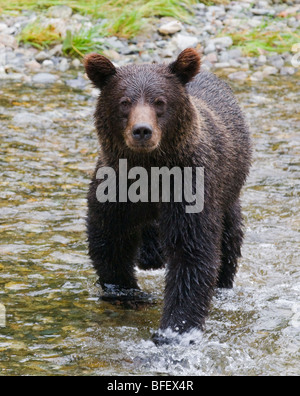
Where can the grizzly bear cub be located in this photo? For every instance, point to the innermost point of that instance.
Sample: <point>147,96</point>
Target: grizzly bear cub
<point>172,116</point>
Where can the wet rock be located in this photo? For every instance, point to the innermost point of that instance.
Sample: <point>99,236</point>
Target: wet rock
<point>238,76</point>
<point>262,11</point>
<point>33,65</point>
<point>224,57</point>
<point>3,27</point>
<point>269,71</point>
<point>212,57</point>
<point>287,71</point>
<point>11,76</point>
<point>60,11</point>
<point>209,48</point>
<point>41,56</point>
<point>234,53</point>
<point>112,54</point>
<point>257,76</point>
<point>76,63</point>
<point>48,64</point>
<point>77,83</point>
<point>8,41</point>
<point>63,65</point>
<point>44,78</point>
<point>171,27</point>
<point>183,41</point>
<point>115,43</point>
<point>222,65</point>
<point>221,42</point>
<point>161,43</point>
<point>56,51</point>
<point>262,59</point>
<point>276,61</point>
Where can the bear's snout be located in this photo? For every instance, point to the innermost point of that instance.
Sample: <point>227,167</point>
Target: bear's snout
<point>142,132</point>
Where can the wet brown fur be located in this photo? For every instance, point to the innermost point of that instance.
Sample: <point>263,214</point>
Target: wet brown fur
<point>201,126</point>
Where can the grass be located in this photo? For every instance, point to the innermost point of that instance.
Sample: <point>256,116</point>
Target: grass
<point>257,41</point>
<point>39,36</point>
<point>85,41</point>
<point>127,18</point>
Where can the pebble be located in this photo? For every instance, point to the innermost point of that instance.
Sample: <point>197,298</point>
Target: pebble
<point>269,71</point>
<point>210,48</point>
<point>44,78</point>
<point>239,76</point>
<point>222,65</point>
<point>170,27</point>
<point>212,57</point>
<point>56,51</point>
<point>112,54</point>
<point>48,64</point>
<point>33,65</point>
<point>8,41</point>
<point>3,27</point>
<point>78,83</point>
<point>257,76</point>
<point>287,71</point>
<point>234,53</point>
<point>262,11</point>
<point>221,42</point>
<point>41,56</point>
<point>76,63</point>
<point>262,59</point>
<point>183,41</point>
<point>64,65</point>
<point>276,61</point>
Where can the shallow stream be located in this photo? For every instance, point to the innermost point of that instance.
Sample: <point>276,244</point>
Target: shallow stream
<point>55,322</point>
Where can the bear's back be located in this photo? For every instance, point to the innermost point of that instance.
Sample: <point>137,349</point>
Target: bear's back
<point>219,97</point>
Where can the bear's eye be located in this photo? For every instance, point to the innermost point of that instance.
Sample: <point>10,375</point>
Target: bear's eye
<point>125,104</point>
<point>160,106</point>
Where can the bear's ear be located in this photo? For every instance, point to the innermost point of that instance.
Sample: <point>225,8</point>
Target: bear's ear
<point>187,65</point>
<point>98,68</point>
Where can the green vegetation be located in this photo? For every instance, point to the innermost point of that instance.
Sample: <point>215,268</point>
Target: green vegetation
<point>85,41</point>
<point>261,39</point>
<point>39,36</point>
<point>126,18</point>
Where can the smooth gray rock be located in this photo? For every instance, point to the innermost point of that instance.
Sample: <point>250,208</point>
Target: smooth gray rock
<point>44,78</point>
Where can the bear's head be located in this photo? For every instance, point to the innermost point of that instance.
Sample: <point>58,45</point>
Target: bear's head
<point>141,105</point>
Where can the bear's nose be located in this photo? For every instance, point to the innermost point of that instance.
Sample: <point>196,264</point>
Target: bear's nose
<point>142,132</point>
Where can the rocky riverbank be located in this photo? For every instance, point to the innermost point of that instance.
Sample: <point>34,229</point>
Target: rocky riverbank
<point>212,29</point>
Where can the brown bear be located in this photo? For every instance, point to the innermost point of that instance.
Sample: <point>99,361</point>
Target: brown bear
<point>168,115</point>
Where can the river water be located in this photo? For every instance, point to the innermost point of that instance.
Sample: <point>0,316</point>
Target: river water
<point>55,322</point>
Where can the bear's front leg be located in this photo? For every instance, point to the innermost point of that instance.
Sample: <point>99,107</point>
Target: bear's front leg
<point>193,244</point>
<point>113,244</point>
